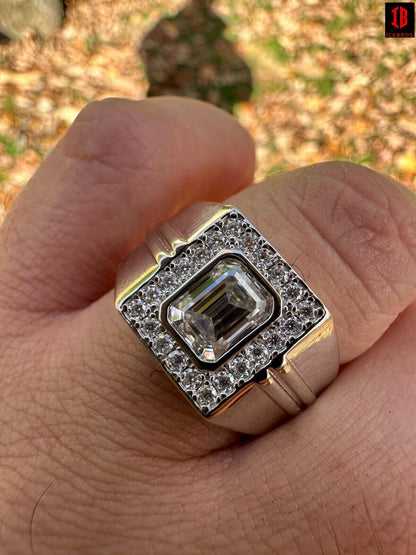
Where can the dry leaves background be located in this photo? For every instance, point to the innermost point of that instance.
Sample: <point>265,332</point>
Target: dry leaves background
<point>328,85</point>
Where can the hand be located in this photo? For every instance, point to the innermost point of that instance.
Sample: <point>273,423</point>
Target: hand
<point>100,453</point>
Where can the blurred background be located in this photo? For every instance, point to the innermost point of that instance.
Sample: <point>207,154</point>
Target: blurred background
<point>310,80</point>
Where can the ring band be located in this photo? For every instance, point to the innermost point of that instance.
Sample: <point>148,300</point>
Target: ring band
<point>234,326</point>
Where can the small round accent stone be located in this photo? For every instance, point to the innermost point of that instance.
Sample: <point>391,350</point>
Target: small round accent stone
<point>249,240</point>
<point>183,267</point>
<point>240,368</point>
<point>149,327</point>
<point>307,311</point>
<point>292,327</point>
<point>259,354</point>
<point>207,396</point>
<point>263,257</point>
<point>293,291</point>
<point>274,341</point>
<point>163,344</point>
<point>199,253</point>
<point>176,361</point>
<point>152,293</point>
<point>215,241</point>
<point>191,379</point>
<point>224,382</point>
<point>136,309</point>
<point>168,280</point>
<point>279,274</point>
<point>233,226</point>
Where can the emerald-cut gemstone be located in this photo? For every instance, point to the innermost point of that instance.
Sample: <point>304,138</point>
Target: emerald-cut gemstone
<point>222,308</point>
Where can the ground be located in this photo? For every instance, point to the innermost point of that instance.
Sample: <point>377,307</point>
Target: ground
<point>327,84</point>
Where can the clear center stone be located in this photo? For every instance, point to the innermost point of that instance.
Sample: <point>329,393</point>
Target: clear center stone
<point>221,309</point>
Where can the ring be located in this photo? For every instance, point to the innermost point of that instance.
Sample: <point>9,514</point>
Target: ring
<point>234,326</point>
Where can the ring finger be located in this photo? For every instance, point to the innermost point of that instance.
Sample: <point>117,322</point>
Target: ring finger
<point>350,234</point>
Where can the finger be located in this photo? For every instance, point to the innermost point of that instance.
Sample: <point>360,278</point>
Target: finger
<point>359,258</point>
<point>341,476</point>
<point>351,233</point>
<point>123,167</point>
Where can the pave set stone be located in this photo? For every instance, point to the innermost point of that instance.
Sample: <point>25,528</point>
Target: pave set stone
<point>214,313</point>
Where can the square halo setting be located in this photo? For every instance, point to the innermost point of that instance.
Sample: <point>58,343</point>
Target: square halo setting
<point>221,310</point>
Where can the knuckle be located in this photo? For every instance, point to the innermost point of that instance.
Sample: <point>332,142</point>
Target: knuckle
<point>369,223</point>
<point>353,229</point>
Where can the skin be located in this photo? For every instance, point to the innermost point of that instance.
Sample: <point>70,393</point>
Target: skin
<point>100,453</point>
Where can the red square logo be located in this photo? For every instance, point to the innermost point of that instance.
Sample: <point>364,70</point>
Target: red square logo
<point>400,20</point>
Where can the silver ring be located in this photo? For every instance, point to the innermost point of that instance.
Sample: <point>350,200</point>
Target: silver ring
<point>233,325</point>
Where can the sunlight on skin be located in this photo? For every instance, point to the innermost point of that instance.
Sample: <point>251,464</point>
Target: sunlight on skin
<point>100,453</point>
